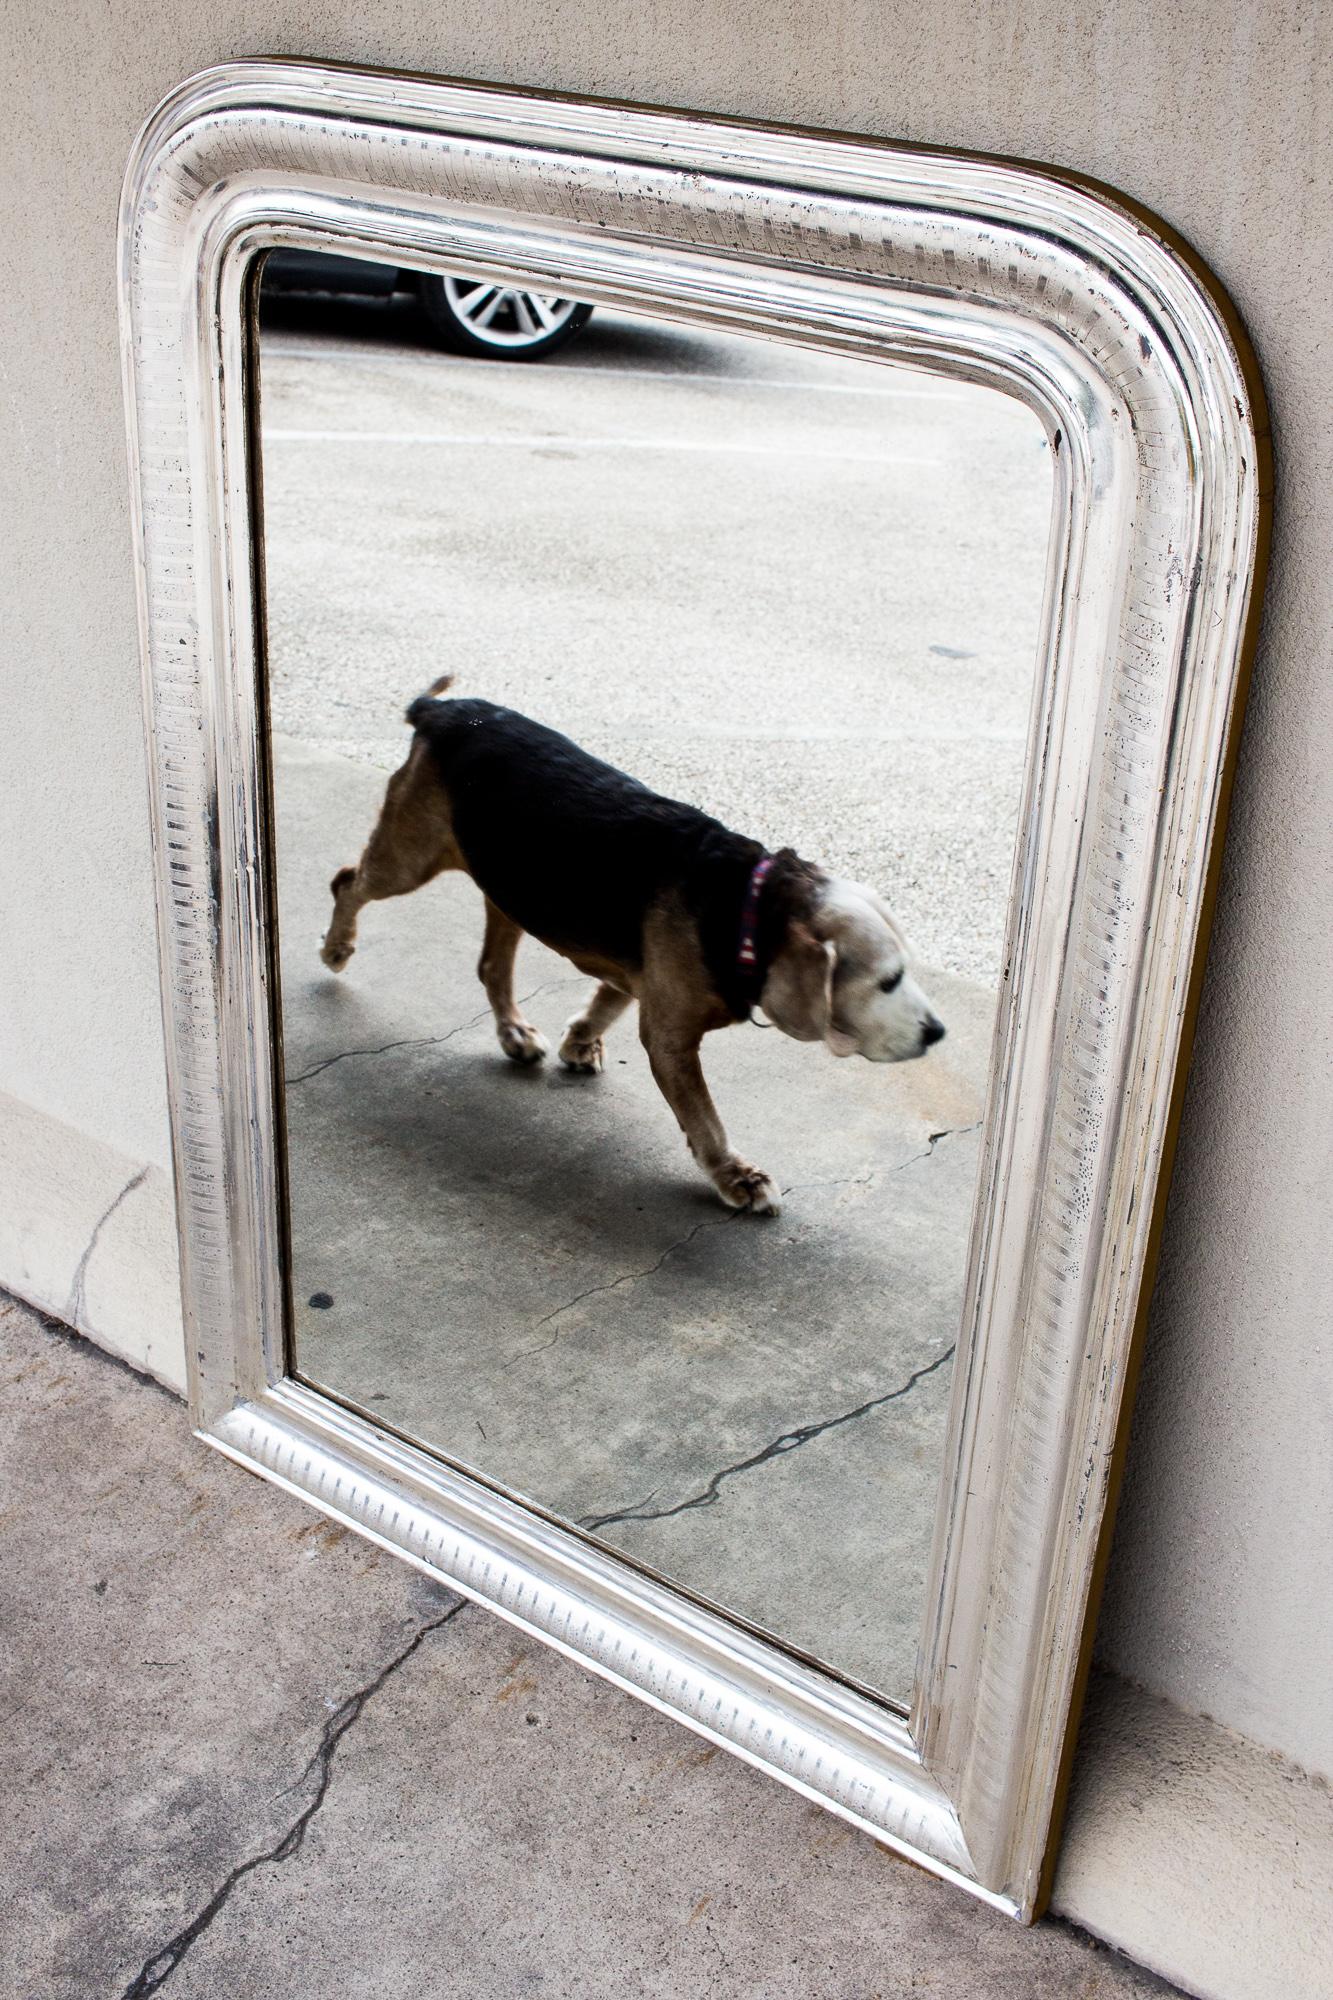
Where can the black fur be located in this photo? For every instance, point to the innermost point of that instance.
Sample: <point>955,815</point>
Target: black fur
<point>578,852</point>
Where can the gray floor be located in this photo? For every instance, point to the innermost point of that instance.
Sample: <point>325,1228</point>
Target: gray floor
<point>244,1753</point>
<point>804,593</point>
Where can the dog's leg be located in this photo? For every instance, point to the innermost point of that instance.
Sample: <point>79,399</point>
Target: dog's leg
<point>412,843</point>
<point>582,1047</point>
<point>495,969</point>
<point>678,1073</point>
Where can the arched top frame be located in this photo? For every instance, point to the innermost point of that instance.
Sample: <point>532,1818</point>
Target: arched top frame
<point>1056,292</point>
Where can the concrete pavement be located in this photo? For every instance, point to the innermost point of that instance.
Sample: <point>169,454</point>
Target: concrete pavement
<point>246,1754</point>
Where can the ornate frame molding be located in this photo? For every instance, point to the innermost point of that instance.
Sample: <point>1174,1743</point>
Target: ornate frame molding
<point>1058,293</point>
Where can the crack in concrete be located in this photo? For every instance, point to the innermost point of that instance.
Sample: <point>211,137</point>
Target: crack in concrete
<point>868,1177</point>
<point>613,1284</point>
<point>416,1041</point>
<point>156,1970</point>
<point>709,1495</point>
<point>711,1222</point>
<point>839,1180</point>
<point>410,1042</point>
<point>950,1132</point>
<point>75,1305</point>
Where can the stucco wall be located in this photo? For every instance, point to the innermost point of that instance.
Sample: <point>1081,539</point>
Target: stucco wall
<point>1216,115</point>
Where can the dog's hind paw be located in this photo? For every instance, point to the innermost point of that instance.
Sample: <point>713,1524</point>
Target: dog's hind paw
<point>335,956</point>
<point>743,1186</point>
<point>585,1054</point>
<point>521,1043</point>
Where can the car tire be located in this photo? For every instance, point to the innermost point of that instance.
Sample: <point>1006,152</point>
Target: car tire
<point>469,316</point>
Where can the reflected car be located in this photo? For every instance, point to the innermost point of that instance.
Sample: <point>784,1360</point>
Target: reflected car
<point>466,315</point>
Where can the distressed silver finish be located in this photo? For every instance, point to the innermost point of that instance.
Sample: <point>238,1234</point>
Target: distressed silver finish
<point>972,268</point>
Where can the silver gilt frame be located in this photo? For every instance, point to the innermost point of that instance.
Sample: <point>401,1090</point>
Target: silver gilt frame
<point>1061,294</point>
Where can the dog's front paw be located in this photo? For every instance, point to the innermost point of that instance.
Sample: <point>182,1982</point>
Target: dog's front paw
<point>335,956</point>
<point>743,1186</point>
<point>584,1053</point>
<point>521,1043</point>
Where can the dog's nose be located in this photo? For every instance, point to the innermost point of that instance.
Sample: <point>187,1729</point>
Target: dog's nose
<point>932,1030</point>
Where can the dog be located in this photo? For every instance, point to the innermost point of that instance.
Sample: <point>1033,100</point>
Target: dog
<point>652,898</point>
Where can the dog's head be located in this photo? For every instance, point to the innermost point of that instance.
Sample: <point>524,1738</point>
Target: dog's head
<point>842,978</point>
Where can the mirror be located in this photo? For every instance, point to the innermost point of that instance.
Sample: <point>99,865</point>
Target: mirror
<point>489,1313</point>
<point>801,595</point>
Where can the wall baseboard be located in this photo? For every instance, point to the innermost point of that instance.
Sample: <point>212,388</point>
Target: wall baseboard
<point>89,1236</point>
<point>1196,1852</point>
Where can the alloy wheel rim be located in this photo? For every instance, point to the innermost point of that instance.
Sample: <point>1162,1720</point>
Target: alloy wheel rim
<point>502,317</point>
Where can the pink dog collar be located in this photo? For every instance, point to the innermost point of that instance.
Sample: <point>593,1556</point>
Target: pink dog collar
<point>748,952</point>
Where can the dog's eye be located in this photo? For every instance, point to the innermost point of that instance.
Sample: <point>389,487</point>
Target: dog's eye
<point>887,985</point>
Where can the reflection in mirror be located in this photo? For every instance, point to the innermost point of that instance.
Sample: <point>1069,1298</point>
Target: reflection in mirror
<point>796,592</point>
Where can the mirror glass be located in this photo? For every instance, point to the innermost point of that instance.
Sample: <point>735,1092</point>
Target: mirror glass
<point>794,598</point>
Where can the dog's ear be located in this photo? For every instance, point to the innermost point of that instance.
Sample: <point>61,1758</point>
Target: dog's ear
<point>798,993</point>
<point>881,909</point>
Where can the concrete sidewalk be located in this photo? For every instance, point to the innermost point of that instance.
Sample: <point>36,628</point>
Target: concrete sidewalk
<point>247,1754</point>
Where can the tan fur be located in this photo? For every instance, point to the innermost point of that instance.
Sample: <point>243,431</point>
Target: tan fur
<point>677,1008</point>
<point>582,1048</point>
<point>495,969</point>
<point>412,843</point>
<point>798,994</point>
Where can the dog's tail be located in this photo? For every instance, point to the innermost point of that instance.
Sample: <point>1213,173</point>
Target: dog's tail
<point>417,711</point>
